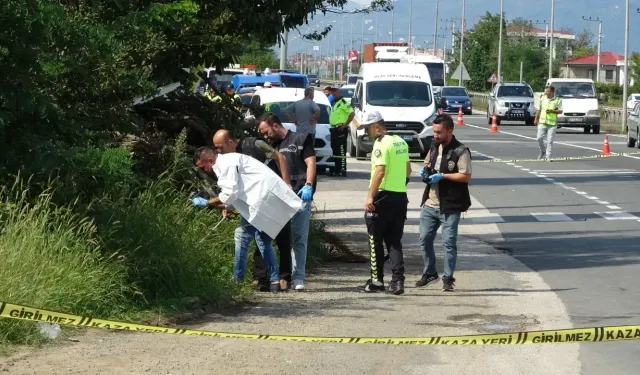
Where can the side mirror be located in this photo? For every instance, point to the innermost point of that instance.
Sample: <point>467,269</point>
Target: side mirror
<point>600,101</point>
<point>442,103</point>
<point>355,103</point>
<point>470,95</point>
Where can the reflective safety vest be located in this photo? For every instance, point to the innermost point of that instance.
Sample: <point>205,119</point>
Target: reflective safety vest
<point>550,119</point>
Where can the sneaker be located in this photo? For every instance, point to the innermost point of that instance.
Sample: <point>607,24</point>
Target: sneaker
<point>427,279</point>
<point>448,283</point>
<point>299,286</point>
<point>373,287</point>
<point>274,287</point>
<point>396,287</point>
<point>284,285</point>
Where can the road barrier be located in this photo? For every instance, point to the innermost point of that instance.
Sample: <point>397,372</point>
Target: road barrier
<point>570,335</point>
<point>496,160</point>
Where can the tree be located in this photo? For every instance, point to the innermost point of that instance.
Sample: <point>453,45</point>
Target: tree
<point>259,55</point>
<point>583,45</point>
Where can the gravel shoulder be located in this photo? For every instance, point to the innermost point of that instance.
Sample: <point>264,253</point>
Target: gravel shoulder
<point>495,293</point>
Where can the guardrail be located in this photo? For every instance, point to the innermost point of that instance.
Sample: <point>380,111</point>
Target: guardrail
<point>608,114</point>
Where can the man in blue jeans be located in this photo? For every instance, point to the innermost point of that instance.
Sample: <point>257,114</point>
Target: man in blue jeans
<point>447,173</point>
<point>298,150</point>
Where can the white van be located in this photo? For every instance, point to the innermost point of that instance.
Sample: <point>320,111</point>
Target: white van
<point>579,103</point>
<point>402,93</point>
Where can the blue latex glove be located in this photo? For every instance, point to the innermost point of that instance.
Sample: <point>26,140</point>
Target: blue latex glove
<point>423,172</point>
<point>199,202</point>
<point>436,178</point>
<point>306,193</point>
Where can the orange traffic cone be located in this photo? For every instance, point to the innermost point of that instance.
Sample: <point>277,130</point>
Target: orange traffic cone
<point>494,124</point>
<point>605,147</point>
<point>440,111</point>
<point>460,121</point>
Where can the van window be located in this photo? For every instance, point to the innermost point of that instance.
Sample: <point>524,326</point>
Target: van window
<point>277,108</point>
<point>399,94</point>
<point>292,81</point>
<point>454,91</point>
<point>351,80</point>
<point>575,89</point>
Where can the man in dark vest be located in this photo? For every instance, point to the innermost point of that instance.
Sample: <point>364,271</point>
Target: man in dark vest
<point>260,150</point>
<point>298,149</point>
<point>447,173</point>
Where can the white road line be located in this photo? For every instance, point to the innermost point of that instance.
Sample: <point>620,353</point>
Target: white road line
<point>592,198</point>
<point>551,216</point>
<point>489,218</point>
<point>525,169</point>
<point>587,170</point>
<point>547,178</point>
<point>587,173</point>
<point>617,215</point>
<point>603,202</point>
<point>613,207</point>
<point>555,142</point>
<point>581,192</point>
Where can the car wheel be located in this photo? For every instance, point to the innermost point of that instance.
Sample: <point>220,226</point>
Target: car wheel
<point>596,129</point>
<point>350,147</point>
<point>321,169</point>
<point>529,122</point>
<point>359,153</point>
<point>630,141</point>
<point>586,129</point>
<point>638,138</point>
<point>488,118</point>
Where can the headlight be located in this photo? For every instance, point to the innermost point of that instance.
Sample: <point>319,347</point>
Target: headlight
<point>502,103</point>
<point>429,120</point>
<point>593,112</point>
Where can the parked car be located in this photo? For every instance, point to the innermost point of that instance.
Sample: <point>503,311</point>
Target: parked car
<point>511,102</point>
<point>277,99</point>
<point>456,97</point>
<point>580,104</point>
<point>633,127</point>
<point>313,80</point>
<point>632,100</point>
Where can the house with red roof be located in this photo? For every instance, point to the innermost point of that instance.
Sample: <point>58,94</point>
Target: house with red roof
<point>561,39</point>
<point>611,67</point>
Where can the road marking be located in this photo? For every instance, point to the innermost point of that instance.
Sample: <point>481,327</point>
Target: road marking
<point>592,198</point>
<point>581,192</point>
<point>613,207</point>
<point>555,142</point>
<point>551,216</point>
<point>525,169</point>
<point>603,202</point>
<point>617,215</point>
<point>548,179</point>
<point>490,218</point>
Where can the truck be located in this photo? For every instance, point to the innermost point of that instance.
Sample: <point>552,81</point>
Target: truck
<point>384,52</point>
<point>434,64</point>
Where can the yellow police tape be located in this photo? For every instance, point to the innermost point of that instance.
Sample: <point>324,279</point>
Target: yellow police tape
<point>517,160</point>
<point>576,335</point>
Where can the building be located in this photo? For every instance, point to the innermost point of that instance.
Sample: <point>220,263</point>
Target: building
<point>611,67</point>
<point>561,39</point>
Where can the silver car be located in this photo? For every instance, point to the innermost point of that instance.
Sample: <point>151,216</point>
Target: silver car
<point>511,102</point>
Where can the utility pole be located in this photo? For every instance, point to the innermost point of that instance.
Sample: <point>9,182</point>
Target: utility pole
<point>375,39</point>
<point>551,47</point>
<point>361,54</point>
<point>500,43</point>
<point>410,19</point>
<point>625,87</point>
<point>597,19</point>
<point>462,24</point>
<point>521,71</point>
<point>283,50</point>
<point>393,16</point>
<point>435,30</point>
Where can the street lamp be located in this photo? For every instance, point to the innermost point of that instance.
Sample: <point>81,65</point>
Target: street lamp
<point>462,42</point>
<point>597,19</point>
<point>435,29</point>
<point>553,14</point>
<point>410,19</point>
<point>500,43</point>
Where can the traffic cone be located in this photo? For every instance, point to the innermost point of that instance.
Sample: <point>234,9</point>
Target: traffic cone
<point>605,147</point>
<point>440,111</point>
<point>494,124</point>
<point>460,121</point>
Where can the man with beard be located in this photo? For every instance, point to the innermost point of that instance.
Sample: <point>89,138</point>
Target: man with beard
<point>447,173</point>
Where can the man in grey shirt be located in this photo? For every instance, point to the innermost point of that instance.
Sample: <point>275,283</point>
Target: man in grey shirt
<point>304,113</point>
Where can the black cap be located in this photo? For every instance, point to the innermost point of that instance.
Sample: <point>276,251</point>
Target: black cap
<point>228,86</point>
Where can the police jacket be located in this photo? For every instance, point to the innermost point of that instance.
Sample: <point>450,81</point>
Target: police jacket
<point>453,196</point>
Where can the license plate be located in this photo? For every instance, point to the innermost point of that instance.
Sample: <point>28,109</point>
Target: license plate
<point>517,111</point>
<point>575,119</point>
<point>407,137</point>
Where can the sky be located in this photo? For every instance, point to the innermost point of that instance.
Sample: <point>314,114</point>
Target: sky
<point>568,14</point>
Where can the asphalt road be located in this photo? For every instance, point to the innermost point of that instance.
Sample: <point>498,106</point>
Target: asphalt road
<point>575,222</point>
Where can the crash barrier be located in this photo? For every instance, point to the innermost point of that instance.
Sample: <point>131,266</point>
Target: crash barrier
<point>519,160</point>
<point>571,335</point>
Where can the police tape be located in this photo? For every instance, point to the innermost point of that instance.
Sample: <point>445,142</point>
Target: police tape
<point>514,160</point>
<point>574,335</point>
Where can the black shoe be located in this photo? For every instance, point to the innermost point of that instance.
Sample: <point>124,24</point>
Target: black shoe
<point>396,287</point>
<point>260,287</point>
<point>448,283</point>
<point>370,287</point>
<point>427,279</point>
<point>343,174</point>
<point>274,288</point>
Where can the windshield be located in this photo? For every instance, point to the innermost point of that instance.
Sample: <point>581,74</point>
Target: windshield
<point>399,94</point>
<point>351,80</point>
<point>246,98</point>
<point>575,89</point>
<point>524,91</point>
<point>454,91</point>
<point>347,92</point>
<point>292,81</point>
<point>636,97</point>
<point>277,109</point>
<point>436,71</point>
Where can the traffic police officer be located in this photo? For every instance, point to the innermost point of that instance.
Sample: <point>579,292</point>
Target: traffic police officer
<point>547,120</point>
<point>340,118</point>
<point>229,90</point>
<point>386,204</point>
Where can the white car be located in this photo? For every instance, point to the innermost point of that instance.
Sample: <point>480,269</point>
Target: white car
<point>278,98</point>
<point>348,91</point>
<point>631,101</point>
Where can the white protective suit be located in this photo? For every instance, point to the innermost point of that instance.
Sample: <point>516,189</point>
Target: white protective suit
<point>256,192</point>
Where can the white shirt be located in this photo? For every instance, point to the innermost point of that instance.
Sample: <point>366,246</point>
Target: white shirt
<point>256,192</point>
